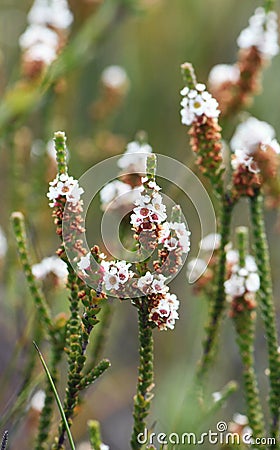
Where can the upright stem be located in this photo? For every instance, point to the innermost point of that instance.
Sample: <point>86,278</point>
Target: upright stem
<point>268,5</point>
<point>217,308</point>
<point>267,309</point>
<point>143,395</point>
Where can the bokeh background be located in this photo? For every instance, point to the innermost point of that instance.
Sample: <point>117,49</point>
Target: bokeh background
<point>150,44</point>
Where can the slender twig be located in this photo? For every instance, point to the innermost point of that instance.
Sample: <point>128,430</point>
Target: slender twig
<point>267,308</point>
<point>218,304</point>
<point>143,396</point>
<point>60,407</point>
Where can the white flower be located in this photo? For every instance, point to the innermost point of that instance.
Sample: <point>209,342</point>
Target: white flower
<point>217,396</point>
<point>117,194</point>
<point>52,264</point>
<point>35,34</point>
<point>41,52</point>
<point>115,273</point>
<point>3,244</point>
<point>197,102</point>
<point>54,12</point>
<point>66,186</point>
<point>241,158</point>
<point>145,281</point>
<point>240,419</point>
<point>171,244</point>
<point>232,257</point>
<point>84,262</point>
<point>251,134</point>
<point>261,33</point>
<point>114,77</point>
<point>38,400</point>
<point>252,282</point>
<point>135,157</point>
<point>234,287</point>
<point>250,264</point>
<point>223,73</point>
<point>158,285</point>
<point>210,242</point>
<point>165,313</point>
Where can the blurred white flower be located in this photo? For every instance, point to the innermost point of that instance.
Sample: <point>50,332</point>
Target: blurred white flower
<point>52,264</point>
<point>117,194</point>
<point>223,73</point>
<point>54,12</point>
<point>35,34</point>
<point>114,77</point>
<point>38,400</point>
<point>210,242</point>
<point>251,134</point>
<point>262,32</point>
<point>3,243</point>
<point>135,157</point>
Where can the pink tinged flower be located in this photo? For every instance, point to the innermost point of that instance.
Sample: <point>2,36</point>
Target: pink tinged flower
<point>252,282</point>
<point>74,195</point>
<point>158,286</point>
<point>111,281</point>
<point>84,262</point>
<point>171,244</point>
<point>145,281</point>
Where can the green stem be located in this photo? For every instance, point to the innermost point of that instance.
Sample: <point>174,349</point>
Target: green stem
<point>245,327</point>
<point>143,395</point>
<point>47,411</point>
<point>218,304</point>
<point>267,308</point>
<point>269,5</point>
<point>36,293</point>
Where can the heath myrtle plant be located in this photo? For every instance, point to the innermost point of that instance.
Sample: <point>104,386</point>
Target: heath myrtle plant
<point>104,243</point>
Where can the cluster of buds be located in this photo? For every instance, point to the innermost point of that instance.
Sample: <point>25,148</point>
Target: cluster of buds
<point>255,160</point>
<point>234,85</point>
<point>45,35</point>
<point>243,280</point>
<point>200,110</point>
<point>124,192</point>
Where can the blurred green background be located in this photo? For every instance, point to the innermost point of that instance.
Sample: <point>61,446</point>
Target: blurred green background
<point>150,45</point>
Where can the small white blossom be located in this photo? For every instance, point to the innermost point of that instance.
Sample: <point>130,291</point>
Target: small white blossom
<point>35,34</point>
<point>3,244</point>
<point>55,13</point>
<point>197,102</point>
<point>240,419</point>
<point>241,158</point>
<point>261,33</point>
<point>84,262</point>
<point>52,264</point>
<point>135,157</point>
<point>117,194</point>
<point>41,52</point>
<point>38,400</point>
<point>242,279</point>
<point>252,282</point>
<point>210,242</point>
<point>165,313</point>
<point>217,396</point>
<point>114,77</point>
<point>144,282</point>
<point>65,186</point>
<point>252,134</point>
<point>115,274</point>
<point>223,73</point>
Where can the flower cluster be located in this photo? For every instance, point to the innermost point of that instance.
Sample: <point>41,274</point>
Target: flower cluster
<point>116,274</point>
<point>124,192</point>
<point>255,159</point>
<point>262,33</point>
<point>51,265</point>
<point>163,306</point>
<point>196,103</point>
<point>150,210</point>
<point>175,235</point>
<point>116,194</point>
<point>242,283</point>
<point>203,269</point>
<point>44,36</point>
<point>234,85</point>
<point>64,186</point>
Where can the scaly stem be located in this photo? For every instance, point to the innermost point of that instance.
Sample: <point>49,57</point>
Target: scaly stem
<point>37,295</point>
<point>267,309</point>
<point>218,304</point>
<point>143,395</point>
